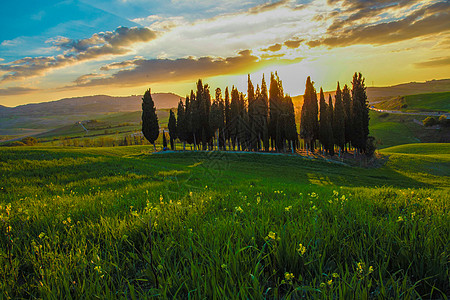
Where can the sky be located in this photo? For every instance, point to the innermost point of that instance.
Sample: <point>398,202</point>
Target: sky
<point>59,49</point>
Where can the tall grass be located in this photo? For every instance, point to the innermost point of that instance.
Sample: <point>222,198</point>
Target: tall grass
<point>99,223</point>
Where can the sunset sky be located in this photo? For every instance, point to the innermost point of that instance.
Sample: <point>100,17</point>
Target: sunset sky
<point>57,49</point>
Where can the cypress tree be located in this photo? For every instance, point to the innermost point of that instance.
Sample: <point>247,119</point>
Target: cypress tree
<point>291,127</point>
<point>323,123</point>
<point>252,115</point>
<point>164,141</point>
<point>330,142</point>
<point>150,126</point>
<point>309,121</point>
<point>265,114</point>
<point>181,123</point>
<point>347,101</point>
<point>172,129</point>
<point>339,120</point>
<point>227,117</point>
<point>234,117</point>
<point>360,112</point>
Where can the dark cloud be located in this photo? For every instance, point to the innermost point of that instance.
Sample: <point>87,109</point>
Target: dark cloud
<point>167,70</point>
<point>293,43</point>
<point>273,48</point>
<point>17,90</point>
<point>434,62</point>
<point>100,44</point>
<point>432,19</point>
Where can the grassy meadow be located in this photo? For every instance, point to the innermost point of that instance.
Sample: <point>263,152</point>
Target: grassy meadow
<point>420,102</point>
<point>126,223</point>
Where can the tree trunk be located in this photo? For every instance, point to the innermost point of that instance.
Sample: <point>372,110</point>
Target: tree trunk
<point>292,147</point>
<point>154,146</point>
<point>195,143</point>
<point>184,145</point>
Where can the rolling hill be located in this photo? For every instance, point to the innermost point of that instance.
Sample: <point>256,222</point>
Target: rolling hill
<point>432,86</point>
<point>421,102</point>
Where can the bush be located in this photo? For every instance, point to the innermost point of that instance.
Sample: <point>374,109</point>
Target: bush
<point>371,146</point>
<point>17,143</point>
<point>429,121</point>
<point>29,141</point>
<point>443,121</point>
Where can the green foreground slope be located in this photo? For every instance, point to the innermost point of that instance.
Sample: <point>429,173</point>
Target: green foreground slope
<point>122,222</point>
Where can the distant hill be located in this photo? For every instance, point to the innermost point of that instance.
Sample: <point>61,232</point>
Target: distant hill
<point>439,102</point>
<point>412,88</point>
<point>98,104</point>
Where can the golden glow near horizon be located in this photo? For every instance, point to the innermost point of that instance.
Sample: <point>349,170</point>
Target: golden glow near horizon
<point>327,40</point>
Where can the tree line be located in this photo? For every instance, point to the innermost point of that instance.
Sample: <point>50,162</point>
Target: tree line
<point>264,119</point>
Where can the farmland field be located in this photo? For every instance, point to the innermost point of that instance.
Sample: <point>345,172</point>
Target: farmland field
<point>123,222</point>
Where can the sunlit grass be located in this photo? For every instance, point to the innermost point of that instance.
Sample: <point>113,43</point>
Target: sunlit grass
<point>120,222</point>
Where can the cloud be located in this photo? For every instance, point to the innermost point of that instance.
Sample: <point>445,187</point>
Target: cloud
<point>428,20</point>
<point>434,62</point>
<point>293,43</point>
<point>98,45</point>
<point>17,90</point>
<point>173,70</point>
<point>273,48</point>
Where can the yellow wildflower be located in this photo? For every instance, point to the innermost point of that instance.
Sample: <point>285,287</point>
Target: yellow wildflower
<point>400,219</point>
<point>301,249</point>
<point>41,235</point>
<point>288,276</point>
<point>272,235</point>
<point>370,269</point>
<point>330,282</point>
<point>288,208</point>
<point>239,209</point>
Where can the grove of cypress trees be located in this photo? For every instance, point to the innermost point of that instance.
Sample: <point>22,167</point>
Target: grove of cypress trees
<point>172,129</point>
<point>150,126</point>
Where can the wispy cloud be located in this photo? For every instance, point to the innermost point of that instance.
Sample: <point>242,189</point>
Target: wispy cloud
<point>166,70</point>
<point>16,90</point>
<point>98,45</point>
<point>434,62</point>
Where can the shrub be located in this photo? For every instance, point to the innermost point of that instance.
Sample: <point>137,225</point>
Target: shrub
<point>29,141</point>
<point>443,121</point>
<point>429,121</point>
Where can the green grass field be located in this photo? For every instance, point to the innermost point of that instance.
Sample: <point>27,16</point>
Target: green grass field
<point>420,102</point>
<point>395,129</point>
<point>123,222</point>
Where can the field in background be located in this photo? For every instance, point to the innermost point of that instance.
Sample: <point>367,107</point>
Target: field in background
<point>432,102</point>
<point>122,222</point>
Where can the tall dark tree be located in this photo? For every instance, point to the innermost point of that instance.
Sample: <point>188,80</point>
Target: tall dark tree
<point>290,126</point>
<point>276,97</point>
<point>172,129</point>
<point>330,145</point>
<point>252,115</point>
<point>164,141</point>
<point>339,120</point>
<point>347,101</point>
<point>323,122</point>
<point>182,131</point>
<point>150,126</point>
<point>234,118</point>
<point>360,113</point>
<point>264,114</point>
<point>227,117</point>
<point>309,121</point>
